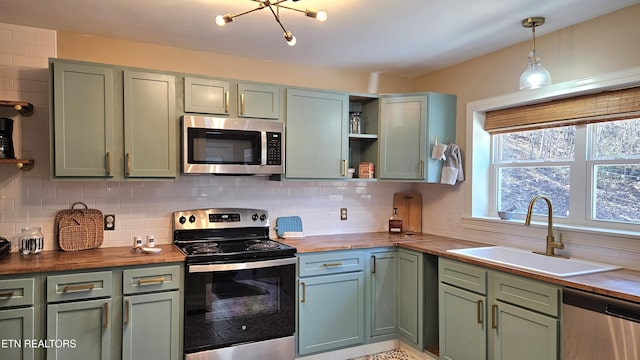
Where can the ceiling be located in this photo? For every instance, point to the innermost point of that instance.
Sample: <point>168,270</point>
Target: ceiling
<point>400,37</point>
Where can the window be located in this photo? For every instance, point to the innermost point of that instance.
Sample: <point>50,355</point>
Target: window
<point>590,171</point>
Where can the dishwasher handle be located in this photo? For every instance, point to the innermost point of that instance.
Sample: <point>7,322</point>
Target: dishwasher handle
<point>623,309</point>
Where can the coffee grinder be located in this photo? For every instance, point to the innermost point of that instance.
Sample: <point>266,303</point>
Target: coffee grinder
<point>6,139</point>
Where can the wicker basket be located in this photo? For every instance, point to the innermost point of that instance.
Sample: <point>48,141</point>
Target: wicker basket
<point>79,229</point>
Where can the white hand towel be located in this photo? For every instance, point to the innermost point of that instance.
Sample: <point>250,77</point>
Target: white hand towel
<point>452,166</point>
<point>438,151</point>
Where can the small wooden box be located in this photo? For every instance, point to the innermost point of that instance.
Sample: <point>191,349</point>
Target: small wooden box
<point>366,170</point>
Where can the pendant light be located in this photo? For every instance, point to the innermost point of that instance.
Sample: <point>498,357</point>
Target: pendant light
<point>321,16</point>
<point>535,75</point>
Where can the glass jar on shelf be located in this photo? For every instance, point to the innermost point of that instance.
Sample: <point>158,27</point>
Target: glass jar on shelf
<point>356,123</point>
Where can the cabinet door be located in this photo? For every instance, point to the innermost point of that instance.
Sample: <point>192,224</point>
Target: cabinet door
<point>402,143</point>
<point>207,96</point>
<point>316,134</point>
<point>441,124</point>
<point>382,293</point>
<point>85,325</point>
<point>83,103</point>
<point>150,125</point>
<point>151,326</point>
<point>522,334</point>
<point>259,101</point>
<point>330,312</point>
<point>16,327</point>
<point>410,297</point>
<point>463,324</point>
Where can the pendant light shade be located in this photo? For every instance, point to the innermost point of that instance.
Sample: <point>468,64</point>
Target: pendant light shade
<point>535,75</point>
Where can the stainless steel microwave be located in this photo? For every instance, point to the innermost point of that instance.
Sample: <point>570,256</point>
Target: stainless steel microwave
<point>228,146</point>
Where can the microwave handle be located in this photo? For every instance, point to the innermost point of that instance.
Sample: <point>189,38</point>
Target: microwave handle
<point>263,150</point>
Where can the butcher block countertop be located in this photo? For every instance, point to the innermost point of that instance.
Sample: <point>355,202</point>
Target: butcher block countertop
<point>105,257</point>
<point>623,283</point>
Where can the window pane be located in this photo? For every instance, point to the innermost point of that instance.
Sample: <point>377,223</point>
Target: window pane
<point>616,139</point>
<point>545,144</point>
<point>517,186</point>
<point>617,193</point>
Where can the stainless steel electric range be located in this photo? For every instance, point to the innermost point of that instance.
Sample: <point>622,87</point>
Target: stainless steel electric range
<point>239,286</point>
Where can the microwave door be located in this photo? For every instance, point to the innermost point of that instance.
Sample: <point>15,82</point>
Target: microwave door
<point>263,148</point>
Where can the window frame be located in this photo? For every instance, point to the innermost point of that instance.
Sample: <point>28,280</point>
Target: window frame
<point>478,208</point>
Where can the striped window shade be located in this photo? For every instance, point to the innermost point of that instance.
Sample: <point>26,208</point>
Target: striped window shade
<point>604,106</point>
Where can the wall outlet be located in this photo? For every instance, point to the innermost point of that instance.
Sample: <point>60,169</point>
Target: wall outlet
<point>343,213</point>
<point>110,222</point>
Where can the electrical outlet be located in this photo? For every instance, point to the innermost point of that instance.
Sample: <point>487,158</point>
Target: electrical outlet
<point>343,213</point>
<point>109,222</point>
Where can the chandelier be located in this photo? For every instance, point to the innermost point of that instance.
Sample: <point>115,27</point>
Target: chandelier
<point>274,7</point>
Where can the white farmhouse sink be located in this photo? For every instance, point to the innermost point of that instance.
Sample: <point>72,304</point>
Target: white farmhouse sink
<point>530,261</point>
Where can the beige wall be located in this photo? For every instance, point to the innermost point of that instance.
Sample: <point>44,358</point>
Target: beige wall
<point>122,52</point>
<point>601,45</point>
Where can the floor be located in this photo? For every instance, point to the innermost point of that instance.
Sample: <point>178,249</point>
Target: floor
<point>388,355</point>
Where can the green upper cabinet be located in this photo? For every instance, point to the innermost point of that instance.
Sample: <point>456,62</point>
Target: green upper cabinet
<point>83,120</point>
<point>316,134</point>
<point>409,125</point>
<point>113,123</point>
<point>150,125</point>
<point>259,101</point>
<point>207,96</point>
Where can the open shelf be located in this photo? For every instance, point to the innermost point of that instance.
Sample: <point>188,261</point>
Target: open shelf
<point>22,164</point>
<point>23,107</point>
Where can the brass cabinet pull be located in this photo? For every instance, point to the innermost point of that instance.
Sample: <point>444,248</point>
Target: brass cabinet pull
<point>332,264</point>
<point>226,101</point>
<point>421,169</point>
<point>373,257</point>
<point>304,292</point>
<point>242,104</point>
<point>7,295</point>
<point>156,280</point>
<point>344,167</point>
<point>106,315</point>
<point>479,304</point>
<point>494,311</point>
<point>78,288</point>
<point>126,312</point>
<point>109,163</point>
<point>128,164</point>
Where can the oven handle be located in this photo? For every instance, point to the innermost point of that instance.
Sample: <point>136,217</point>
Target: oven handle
<point>241,266</point>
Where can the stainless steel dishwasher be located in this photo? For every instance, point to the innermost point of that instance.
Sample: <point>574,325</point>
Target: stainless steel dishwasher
<point>599,327</point>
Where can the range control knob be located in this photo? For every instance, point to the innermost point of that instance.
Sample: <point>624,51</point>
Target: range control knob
<point>192,219</point>
<point>263,217</point>
<point>182,220</point>
<point>254,217</point>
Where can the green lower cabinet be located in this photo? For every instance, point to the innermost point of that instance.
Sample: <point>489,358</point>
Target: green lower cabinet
<point>410,290</point>
<point>382,294</point>
<point>463,324</point>
<point>150,326</point>
<point>330,312</point>
<point>16,327</point>
<point>84,326</point>
<point>488,314</point>
<point>524,335</point>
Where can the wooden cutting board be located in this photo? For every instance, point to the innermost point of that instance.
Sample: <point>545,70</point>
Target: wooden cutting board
<point>410,210</point>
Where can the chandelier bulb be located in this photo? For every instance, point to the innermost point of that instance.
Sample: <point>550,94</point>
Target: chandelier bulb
<point>221,20</point>
<point>291,40</point>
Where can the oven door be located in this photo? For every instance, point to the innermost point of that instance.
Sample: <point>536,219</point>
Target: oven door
<point>230,304</point>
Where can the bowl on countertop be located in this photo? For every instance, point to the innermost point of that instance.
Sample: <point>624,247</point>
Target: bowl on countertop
<point>505,215</point>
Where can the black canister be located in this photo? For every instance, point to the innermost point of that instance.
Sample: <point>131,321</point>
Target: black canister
<point>6,139</point>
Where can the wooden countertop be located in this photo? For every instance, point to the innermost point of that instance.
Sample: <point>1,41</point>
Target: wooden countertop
<point>107,257</point>
<point>623,283</point>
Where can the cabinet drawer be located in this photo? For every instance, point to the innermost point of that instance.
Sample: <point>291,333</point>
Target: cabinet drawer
<point>79,286</point>
<point>527,293</point>
<point>151,279</point>
<point>465,276</point>
<point>16,292</point>
<point>331,263</point>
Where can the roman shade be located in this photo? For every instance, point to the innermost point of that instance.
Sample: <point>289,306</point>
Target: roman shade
<point>604,106</point>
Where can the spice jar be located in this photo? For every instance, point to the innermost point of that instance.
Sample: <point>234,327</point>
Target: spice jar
<point>356,125</point>
<point>31,241</point>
